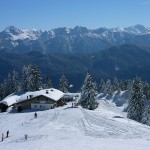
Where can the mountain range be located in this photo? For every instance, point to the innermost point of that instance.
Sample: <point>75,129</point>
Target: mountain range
<point>107,53</point>
<point>72,40</point>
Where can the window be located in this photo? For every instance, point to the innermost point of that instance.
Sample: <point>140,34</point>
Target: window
<point>35,106</point>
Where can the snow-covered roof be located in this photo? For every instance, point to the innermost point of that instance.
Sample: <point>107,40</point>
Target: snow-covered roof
<point>51,93</point>
<point>10,100</point>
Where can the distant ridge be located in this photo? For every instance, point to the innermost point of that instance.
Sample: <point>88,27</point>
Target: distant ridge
<point>123,62</point>
<point>72,40</point>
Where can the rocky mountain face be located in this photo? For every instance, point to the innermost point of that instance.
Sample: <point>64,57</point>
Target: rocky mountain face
<point>76,40</point>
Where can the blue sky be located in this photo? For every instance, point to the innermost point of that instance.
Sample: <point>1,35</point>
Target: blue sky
<point>49,14</point>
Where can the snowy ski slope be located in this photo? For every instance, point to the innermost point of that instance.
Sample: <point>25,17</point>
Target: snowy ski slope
<point>69,128</point>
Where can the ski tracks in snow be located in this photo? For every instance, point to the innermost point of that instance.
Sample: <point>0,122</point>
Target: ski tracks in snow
<point>97,125</point>
<point>30,138</point>
<point>63,123</point>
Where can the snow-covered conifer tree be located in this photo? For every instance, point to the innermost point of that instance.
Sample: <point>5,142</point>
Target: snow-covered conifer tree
<point>37,78</point>
<point>25,76</point>
<point>34,78</point>
<point>48,83</point>
<point>15,81</point>
<point>136,101</point>
<point>9,84</point>
<point>1,91</point>
<point>128,85</point>
<point>31,78</point>
<point>102,86</point>
<point>63,84</point>
<point>88,94</point>
<point>108,87</point>
<point>146,90</point>
<point>146,116</point>
<point>115,84</point>
<point>4,88</point>
<point>121,85</point>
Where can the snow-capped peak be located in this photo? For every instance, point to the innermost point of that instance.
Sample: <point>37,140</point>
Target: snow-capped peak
<point>13,30</point>
<point>138,29</point>
<point>102,37</point>
<point>67,30</point>
<point>117,29</point>
<point>18,34</point>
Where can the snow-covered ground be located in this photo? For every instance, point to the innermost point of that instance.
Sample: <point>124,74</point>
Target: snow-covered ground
<point>66,128</point>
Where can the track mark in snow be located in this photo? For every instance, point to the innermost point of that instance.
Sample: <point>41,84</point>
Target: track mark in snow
<point>100,126</point>
<point>30,138</point>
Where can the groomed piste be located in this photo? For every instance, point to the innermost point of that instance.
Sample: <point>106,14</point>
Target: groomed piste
<point>68,128</point>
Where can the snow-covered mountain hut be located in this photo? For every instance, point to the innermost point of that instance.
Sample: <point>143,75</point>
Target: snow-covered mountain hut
<point>39,100</point>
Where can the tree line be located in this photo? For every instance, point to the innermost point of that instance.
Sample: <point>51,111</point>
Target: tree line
<point>31,80</point>
<point>138,90</point>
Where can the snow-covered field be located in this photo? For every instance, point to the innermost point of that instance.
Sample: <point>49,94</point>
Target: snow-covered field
<point>66,128</point>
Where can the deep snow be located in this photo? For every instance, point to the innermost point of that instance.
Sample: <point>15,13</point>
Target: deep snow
<point>69,128</point>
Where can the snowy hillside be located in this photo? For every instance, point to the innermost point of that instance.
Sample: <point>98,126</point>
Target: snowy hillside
<point>119,99</point>
<point>68,128</point>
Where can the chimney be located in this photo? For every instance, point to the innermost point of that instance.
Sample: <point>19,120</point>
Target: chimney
<point>47,92</point>
<point>31,96</point>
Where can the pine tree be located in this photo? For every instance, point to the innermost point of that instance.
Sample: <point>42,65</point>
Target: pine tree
<point>63,84</point>
<point>34,78</point>
<point>31,78</point>
<point>25,76</point>
<point>116,85</point>
<point>102,86</point>
<point>15,81</point>
<point>108,87</point>
<point>6,86</point>
<point>48,83</point>
<point>146,90</point>
<point>136,102</point>
<point>146,116</point>
<point>121,85</point>
<point>1,91</point>
<point>88,94</point>
<point>9,85</point>
<point>128,85</point>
